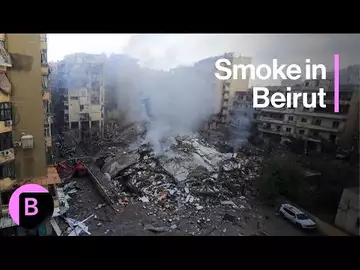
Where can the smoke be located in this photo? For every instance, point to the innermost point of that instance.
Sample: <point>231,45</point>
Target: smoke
<point>173,102</point>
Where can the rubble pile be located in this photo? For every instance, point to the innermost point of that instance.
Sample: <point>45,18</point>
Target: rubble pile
<point>188,186</point>
<point>117,138</point>
<point>189,174</point>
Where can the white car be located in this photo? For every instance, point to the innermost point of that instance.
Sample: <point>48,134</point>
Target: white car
<point>297,216</point>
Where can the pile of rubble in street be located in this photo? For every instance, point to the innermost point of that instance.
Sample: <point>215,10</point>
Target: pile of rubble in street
<point>189,177</point>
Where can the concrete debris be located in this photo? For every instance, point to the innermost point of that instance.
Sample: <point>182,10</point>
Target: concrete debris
<point>70,185</point>
<point>173,226</point>
<point>229,203</point>
<point>187,172</point>
<point>63,201</point>
<point>155,229</point>
<point>72,191</point>
<point>189,177</point>
<point>55,227</point>
<point>228,217</point>
<point>100,206</point>
<point>144,199</point>
<point>76,228</point>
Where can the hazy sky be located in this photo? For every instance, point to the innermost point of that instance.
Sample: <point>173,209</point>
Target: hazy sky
<point>169,50</point>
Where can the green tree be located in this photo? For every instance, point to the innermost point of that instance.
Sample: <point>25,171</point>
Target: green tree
<point>281,175</point>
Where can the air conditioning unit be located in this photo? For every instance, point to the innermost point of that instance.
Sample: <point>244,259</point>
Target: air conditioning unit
<point>27,141</point>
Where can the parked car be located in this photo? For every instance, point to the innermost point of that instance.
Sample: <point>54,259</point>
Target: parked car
<point>297,216</point>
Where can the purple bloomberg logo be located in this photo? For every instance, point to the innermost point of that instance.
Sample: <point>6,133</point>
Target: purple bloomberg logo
<point>30,205</point>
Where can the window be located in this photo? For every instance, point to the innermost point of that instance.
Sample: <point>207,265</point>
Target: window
<point>317,122</point>
<point>303,120</point>
<point>301,131</point>
<point>5,111</point>
<point>278,128</point>
<point>47,132</point>
<point>332,138</point>
<point>291,118</point>
<point>289,212</point>
<point>358,223</point>
<point>288,129</point>
<point>74,98</point>
<point>302,217</point>
<point>44,58</point>
<point>44,82</point>
<point>316,133</point>
<point>7,170</point>
<point>6,141</point>
<point>74,125</point>
<point>335,124</point>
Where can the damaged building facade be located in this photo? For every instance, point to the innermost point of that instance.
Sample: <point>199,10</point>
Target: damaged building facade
<point>227,90</point>
<point>79,90</point>
<point>319,128</point>
<point>241,117</point>
<point>25,125</point>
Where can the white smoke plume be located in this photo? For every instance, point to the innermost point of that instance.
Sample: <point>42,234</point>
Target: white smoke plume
<point>174,102</point>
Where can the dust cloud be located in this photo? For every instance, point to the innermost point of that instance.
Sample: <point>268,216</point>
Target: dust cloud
<point>173,102</point>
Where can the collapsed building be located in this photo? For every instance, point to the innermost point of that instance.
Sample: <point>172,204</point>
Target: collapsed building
<point>188,180</point>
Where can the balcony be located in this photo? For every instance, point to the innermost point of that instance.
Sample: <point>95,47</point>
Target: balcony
<point>47,96</point>
<point>276,110</point>
<point>43,44</point>
<point>280,131</point>
<point>48,141</point>
<point>44,70</point>
<point>318,127</point>
<point>271,120</point>
<point>47,120</point>
<point>322,115</point>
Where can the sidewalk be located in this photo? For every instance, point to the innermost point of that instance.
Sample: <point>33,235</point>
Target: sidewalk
<point>328,230</point>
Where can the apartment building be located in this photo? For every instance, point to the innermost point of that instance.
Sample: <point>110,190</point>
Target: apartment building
<point>79,88</point>
<point>25,124</point>
<point>227,91</point>
<point>319,128</point>
<point>242,113</point>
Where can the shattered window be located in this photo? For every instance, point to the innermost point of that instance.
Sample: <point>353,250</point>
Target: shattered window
<point>44,82</point>
<point>5,111</point>
<point>6,141</point>
<point>7,170</point>
<point>44,58</point>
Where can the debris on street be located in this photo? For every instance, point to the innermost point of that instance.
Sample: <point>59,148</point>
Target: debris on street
<point>181,186</point>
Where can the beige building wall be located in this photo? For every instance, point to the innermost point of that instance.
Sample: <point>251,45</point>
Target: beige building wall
<point>26,79</point>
